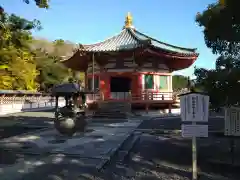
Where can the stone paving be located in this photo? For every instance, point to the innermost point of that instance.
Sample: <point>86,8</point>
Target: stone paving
<point>81,157</point>
<point>93,148</point>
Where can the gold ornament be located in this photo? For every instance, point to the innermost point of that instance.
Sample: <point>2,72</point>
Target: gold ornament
<point>128,20</point>
<point>222,2</point>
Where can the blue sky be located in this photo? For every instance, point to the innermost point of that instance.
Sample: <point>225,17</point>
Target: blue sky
<point>90,21</point>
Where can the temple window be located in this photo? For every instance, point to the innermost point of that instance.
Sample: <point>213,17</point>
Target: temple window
<point>163,84</point>
<point>149,82</point>
<point>96,83</point>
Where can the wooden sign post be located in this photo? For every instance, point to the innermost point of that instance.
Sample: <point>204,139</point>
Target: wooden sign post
<point>232,121</point>
<point>232,128</point>
<point>194,109</point>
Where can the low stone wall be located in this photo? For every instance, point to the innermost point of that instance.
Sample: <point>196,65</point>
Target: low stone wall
<point>27,106</point>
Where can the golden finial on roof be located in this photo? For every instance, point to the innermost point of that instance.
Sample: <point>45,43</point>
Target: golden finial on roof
<point>222,2</point>
<point>128,20</point>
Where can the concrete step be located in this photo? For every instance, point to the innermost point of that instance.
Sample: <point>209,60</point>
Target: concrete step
<point>113,110</point>
<point>110,105</point>
<point>112,114</point>
<point>115,107</point>
<point>118,115</point>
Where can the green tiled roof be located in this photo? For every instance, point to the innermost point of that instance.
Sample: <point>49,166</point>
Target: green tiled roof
<point>130,38</point>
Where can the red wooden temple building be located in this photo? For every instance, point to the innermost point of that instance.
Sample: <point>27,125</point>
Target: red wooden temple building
<point>131,66</point>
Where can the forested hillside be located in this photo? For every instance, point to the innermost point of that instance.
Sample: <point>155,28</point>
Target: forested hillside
<point>28,63</point>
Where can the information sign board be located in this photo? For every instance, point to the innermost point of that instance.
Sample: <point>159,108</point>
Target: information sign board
<point>194,107</point>
<point>232,121</point>
<point>190,130</point>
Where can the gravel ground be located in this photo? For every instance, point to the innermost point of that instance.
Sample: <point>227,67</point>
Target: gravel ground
<point>168,156</point>
<point>157,159</point>
<point>155,156</point>
<point>9,131</point>
<point>28,118</point>
<point>174,123</point>
<point>18,123</point>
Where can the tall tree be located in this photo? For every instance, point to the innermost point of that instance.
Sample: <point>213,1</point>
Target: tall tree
<point>48,59</point>
<point>179,82</point>
<point>16,60</point>
<point>51,70</point>
<point>40,3</point>
<point>221,23</point>
<point>221,83</point>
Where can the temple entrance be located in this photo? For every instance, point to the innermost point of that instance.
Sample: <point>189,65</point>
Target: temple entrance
<point>120,87</point>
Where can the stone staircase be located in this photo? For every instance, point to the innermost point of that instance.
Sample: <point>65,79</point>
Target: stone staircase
<point>121,110</point>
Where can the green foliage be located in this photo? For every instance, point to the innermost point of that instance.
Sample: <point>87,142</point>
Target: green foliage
<point>40,3</point>
<point>221,23</point>
<point>179,82</point>
<point>15,56</point>
<point>48,56</point>
<point>50,71</point>
<point>16,31</point>
<point>222,83</point>
<point>27,63</point>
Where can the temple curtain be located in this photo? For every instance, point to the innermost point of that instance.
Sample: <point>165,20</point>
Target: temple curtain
<point>149,82</point>
<point>163,84</point>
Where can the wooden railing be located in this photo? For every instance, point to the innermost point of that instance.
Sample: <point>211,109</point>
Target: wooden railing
<point>94,97</point>
<point>120,95</point>
<point>15,97</point>
<point>144,96</point>
<point>154,96</point>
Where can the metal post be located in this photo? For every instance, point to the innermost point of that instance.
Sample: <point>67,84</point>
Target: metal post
<point>194,156</point>
<point>194,143</point>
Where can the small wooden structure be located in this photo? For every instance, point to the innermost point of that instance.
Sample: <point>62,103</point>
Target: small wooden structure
<point>131,66</point>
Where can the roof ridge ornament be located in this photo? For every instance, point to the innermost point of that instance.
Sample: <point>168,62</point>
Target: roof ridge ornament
<point>128,21</point>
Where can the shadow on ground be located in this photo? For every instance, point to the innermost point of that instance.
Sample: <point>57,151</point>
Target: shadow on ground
<point>154,157</point>
<point>174,123</point>
<point>18,123</point>
<point>157,158</point>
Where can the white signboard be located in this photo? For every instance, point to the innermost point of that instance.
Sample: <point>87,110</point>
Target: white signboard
<point>194,107</point>
<point>232,121</point>
<point>189,130</point>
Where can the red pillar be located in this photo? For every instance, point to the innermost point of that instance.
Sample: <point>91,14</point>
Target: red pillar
<point>104,84</point>
<point>107,87</point>
<point>139,84</point>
